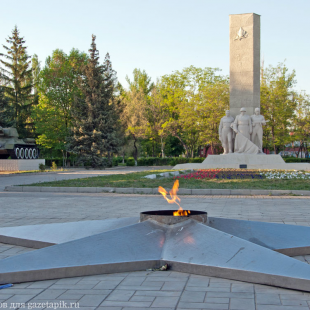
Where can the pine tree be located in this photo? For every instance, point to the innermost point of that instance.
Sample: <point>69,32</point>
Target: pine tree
<point>95,118</point>
<point>6,111</point>
<point>18,81</point>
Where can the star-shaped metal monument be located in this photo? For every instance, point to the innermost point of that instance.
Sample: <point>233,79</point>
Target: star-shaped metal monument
<point>248,251</point>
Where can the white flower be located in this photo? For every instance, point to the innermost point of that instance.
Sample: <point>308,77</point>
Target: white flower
<point>275,174</point>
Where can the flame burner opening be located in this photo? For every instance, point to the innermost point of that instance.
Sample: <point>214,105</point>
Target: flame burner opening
<point>167,217</point>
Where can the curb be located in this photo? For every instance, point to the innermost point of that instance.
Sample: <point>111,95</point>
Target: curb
<point>131,190</point>
<point>25,174</point>
<point>54,172</point>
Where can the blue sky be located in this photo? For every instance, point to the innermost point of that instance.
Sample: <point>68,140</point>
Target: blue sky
<point>161,36</point>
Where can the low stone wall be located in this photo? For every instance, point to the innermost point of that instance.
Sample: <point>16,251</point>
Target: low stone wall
<point>20,164</point>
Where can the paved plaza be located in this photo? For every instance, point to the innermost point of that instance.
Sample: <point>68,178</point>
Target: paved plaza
<point>145,289</point>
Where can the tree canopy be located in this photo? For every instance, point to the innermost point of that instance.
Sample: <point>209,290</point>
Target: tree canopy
<point>278,103</point>
<point>195,100</point>
<point>57,87</point>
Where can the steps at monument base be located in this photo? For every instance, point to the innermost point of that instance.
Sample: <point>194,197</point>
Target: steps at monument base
<point>20,164</point>
<point>251,161</point>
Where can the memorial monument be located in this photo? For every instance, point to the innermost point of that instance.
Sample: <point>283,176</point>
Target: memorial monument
<point>24,153</point>
<point>244,69</point>
<point>241,130</point>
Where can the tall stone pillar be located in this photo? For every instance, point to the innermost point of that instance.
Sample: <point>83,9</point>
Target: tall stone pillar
<point>244,42</point>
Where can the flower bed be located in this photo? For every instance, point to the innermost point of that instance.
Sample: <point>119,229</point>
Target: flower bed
<point>230,174</point>
<point>221,174</point>
<point>200,174</point>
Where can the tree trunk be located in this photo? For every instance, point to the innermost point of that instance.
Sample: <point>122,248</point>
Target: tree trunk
<point>64,158</point>
<point>212,148</point>
<point>16,102</point>
<point>199,151</point>
<point>274,145</point>
<point>109,159</point>
<point>136,151</point>
<point>301,148</point>
<point>184,145</point>
<point>298,150</point>
<point>162,148</point>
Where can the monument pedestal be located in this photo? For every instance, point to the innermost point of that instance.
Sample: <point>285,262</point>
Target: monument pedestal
<point>20,164</point>
<point>235,160</point>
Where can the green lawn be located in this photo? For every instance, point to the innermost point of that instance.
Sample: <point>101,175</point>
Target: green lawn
<point>136,180</point>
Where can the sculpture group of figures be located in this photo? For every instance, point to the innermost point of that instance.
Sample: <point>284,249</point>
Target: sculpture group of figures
<point>243,134</point>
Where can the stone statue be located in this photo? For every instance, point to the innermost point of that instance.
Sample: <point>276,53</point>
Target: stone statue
<point>226,133</point>
<point>242,126</point>
<point>257,123</point>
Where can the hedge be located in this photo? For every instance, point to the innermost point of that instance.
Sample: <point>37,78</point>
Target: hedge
<point>167,161</point>
<point>142,161</point>
<point>130,161</point>
<point>59,162</point>
<point>296,160</point>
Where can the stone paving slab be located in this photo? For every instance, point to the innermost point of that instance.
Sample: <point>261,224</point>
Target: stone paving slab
<point>41,208</point>
<point>237,295</point>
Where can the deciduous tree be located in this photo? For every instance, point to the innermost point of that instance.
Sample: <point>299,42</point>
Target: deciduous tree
<point>141,82</point>
<point>134,117</point>
<point>194,100</point>
<point>300,124</point>
<point>57,86</point>
<point>278,103</point>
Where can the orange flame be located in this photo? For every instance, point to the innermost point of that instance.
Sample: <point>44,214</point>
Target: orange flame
<point>174,198</point>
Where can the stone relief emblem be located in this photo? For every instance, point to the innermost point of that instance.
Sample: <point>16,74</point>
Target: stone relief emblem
<point>241,34</point>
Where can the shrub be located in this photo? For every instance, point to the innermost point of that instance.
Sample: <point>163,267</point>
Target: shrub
<point>116,161</point>
<point>54,166</point>
<point>130,161</point>
<point>42,167</point>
